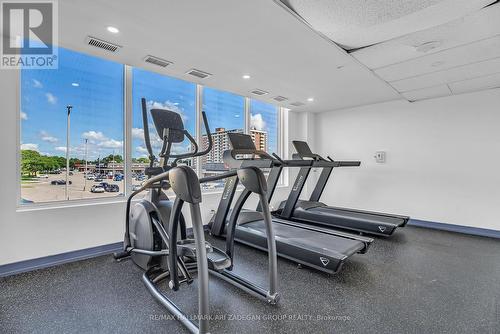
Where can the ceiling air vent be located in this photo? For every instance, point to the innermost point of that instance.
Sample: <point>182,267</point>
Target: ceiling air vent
<point>99,43</point>
<point>280,98</point>
<point>297,104</point>
<point>259,92</point>
<point>199,74</point>
<point>157,61</point>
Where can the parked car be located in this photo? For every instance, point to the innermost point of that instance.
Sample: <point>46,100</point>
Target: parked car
<point>59,182</point>
<point>112,188</point>
<point>118,177</point>
<point>90,177</point>
<point>97,189</point>
<point>98,179</point>
<point>104,184</point>
<point>136,187</point>
<point>43,176</point>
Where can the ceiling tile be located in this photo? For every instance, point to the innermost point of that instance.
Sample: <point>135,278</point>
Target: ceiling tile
<point>357,23</point>
<point>447,76</point>
<point>427,93</point>
<point>471,85</point>
<point>482,24</point>
<point>458,56</point>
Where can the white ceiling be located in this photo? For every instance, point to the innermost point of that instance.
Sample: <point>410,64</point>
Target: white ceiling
<point>285,56</point>
<point>358,23</point>
<point>227,38</point>
<point>422,48</point>
<point>464,56</point>
<point>474,27</point>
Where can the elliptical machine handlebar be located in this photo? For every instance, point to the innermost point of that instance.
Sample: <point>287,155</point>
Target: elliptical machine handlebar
<point>165,150</point>
<point>145,125</point>
<point>195,153</point>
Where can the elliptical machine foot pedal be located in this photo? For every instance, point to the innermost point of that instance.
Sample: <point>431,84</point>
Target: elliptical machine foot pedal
<point>187,248</point>
<point>218,260</point>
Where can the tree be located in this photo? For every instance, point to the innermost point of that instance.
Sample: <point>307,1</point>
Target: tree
<point>30,162</point>
<point>33,162</point>
<point>140,160</point>
<point>112,158</point>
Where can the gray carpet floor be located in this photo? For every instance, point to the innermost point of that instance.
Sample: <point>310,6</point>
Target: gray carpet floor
<point>417,281</point>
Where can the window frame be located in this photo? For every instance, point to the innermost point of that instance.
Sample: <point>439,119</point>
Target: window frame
<point>127,143</point>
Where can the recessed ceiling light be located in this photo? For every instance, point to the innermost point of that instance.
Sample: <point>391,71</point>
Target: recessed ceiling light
<point>113,30</point>
<point>75,84</point>
<point>246,76</point>
<point>310,99</point>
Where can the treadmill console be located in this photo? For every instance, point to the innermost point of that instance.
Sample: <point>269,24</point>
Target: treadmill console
<point>303,149</point>
<point>241,141</point>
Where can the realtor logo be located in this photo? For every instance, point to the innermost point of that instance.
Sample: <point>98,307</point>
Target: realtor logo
<point>324,260</point>
<point>381,228</point>
<point>29,35</point>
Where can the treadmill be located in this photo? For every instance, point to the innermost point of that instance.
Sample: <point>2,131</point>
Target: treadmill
<point>317,247</point>
<point>312,211</point>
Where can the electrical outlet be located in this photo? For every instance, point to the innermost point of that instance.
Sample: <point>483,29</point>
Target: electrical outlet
<point>380,157</point>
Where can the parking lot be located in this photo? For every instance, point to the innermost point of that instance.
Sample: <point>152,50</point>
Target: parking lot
<point>42,190</point>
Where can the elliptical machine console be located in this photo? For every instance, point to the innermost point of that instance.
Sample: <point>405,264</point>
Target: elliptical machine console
<point>155,230</point>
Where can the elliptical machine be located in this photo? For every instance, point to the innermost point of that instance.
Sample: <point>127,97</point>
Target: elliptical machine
<point>155,230</point>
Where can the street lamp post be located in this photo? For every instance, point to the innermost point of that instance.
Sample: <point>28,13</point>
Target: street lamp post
<point>67,150</point>
<point>86,166</point>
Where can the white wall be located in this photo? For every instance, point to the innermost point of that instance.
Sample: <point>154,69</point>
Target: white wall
<point>32,234</point>
<point>443,158</point>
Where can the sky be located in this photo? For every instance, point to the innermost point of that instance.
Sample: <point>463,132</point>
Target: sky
<point>94,87</point>
<point>264,116</point>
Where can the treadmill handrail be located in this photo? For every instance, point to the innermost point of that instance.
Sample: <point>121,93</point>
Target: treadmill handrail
<point>233,161</point>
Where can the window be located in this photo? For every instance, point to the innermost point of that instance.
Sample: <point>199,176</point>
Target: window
<point>225,113</point>
<point>264,126</point>
<point>94,88</point>
<point>160,92</point>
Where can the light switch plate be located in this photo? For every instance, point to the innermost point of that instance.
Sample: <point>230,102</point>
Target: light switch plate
<point>380,157</point>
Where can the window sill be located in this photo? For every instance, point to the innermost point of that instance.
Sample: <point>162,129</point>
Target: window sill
<point>99,201</point>
<point>69,204</point>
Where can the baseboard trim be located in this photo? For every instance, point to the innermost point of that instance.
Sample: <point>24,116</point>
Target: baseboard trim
<point>83,254</point>
<point>483,232</point>
<point>54,260</point>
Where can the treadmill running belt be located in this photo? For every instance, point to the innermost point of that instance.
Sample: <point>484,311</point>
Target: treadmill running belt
<point>354,220</point>
<point>319,250</point>
<point>344,214</point>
